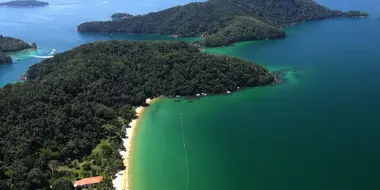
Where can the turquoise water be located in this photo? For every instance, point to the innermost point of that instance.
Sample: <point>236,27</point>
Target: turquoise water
<point>319,130</point>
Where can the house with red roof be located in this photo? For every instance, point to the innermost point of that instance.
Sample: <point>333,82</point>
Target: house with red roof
<point>88,182</point>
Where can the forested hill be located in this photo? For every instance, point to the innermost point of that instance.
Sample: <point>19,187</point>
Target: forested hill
<point>67,120</point>
<point>213,16</point>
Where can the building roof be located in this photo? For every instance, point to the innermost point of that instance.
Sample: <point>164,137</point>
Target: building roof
<point>88,181</point>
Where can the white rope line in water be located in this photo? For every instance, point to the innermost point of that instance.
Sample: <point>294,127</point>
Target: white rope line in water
<point>187,162</point>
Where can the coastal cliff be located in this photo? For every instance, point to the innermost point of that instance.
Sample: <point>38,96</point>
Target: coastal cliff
<point>69,118</point>
<point>215,18</point>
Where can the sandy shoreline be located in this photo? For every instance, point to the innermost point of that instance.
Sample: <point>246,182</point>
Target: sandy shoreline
<point>121,182</point>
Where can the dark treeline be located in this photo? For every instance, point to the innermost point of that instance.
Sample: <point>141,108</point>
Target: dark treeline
<point>66,122</point>
<point>212,17</point>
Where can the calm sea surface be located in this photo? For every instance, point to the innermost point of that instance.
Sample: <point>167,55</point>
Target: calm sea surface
<point>319,130</point>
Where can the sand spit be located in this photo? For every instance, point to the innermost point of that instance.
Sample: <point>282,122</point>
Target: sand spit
<point>121,181</point>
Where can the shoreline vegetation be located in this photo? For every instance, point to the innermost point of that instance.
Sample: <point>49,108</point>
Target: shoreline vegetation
<point>11,45</point>
<point>67,121</point>
<point>221,22</point>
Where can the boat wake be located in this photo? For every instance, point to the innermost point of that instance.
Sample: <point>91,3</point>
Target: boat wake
<point>42,57</point>
<point>47,56</point>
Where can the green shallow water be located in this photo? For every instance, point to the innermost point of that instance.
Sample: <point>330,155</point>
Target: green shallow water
<point>320,130</point>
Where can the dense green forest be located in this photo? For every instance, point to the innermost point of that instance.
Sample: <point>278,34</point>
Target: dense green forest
<point>67,120</point>
<point>243,29</point>
<point>24,3</point>
<point>9,45</point>
<point>214,17</point>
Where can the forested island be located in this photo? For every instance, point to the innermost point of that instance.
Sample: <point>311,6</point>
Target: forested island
<point>24,3</point>
<point>222,22</point>
<point>67,120</point>
<point>11,45</point>
<point>356,14</point>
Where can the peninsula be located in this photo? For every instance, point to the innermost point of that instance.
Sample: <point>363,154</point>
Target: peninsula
<point>11,45</point>
<point>24,3</point>
<point>69,118</point>
<point>222,22</point>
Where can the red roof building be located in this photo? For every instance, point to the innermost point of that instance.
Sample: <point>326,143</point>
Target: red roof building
<point>86,182</point>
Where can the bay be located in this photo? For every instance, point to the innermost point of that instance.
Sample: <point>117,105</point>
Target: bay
<point>319,130</point>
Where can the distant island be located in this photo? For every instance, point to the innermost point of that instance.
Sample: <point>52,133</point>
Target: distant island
<point>222,22</point>
<point>11,45</point>
<point>118,16</point>
<point>67,121</point>
<point>24,3</point>
<point>356,14</point>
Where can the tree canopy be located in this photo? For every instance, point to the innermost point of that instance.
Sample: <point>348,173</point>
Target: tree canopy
<point>67,120</point>
<point>214,18</point>
<point>9,45</point>
<point>243,29</point>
